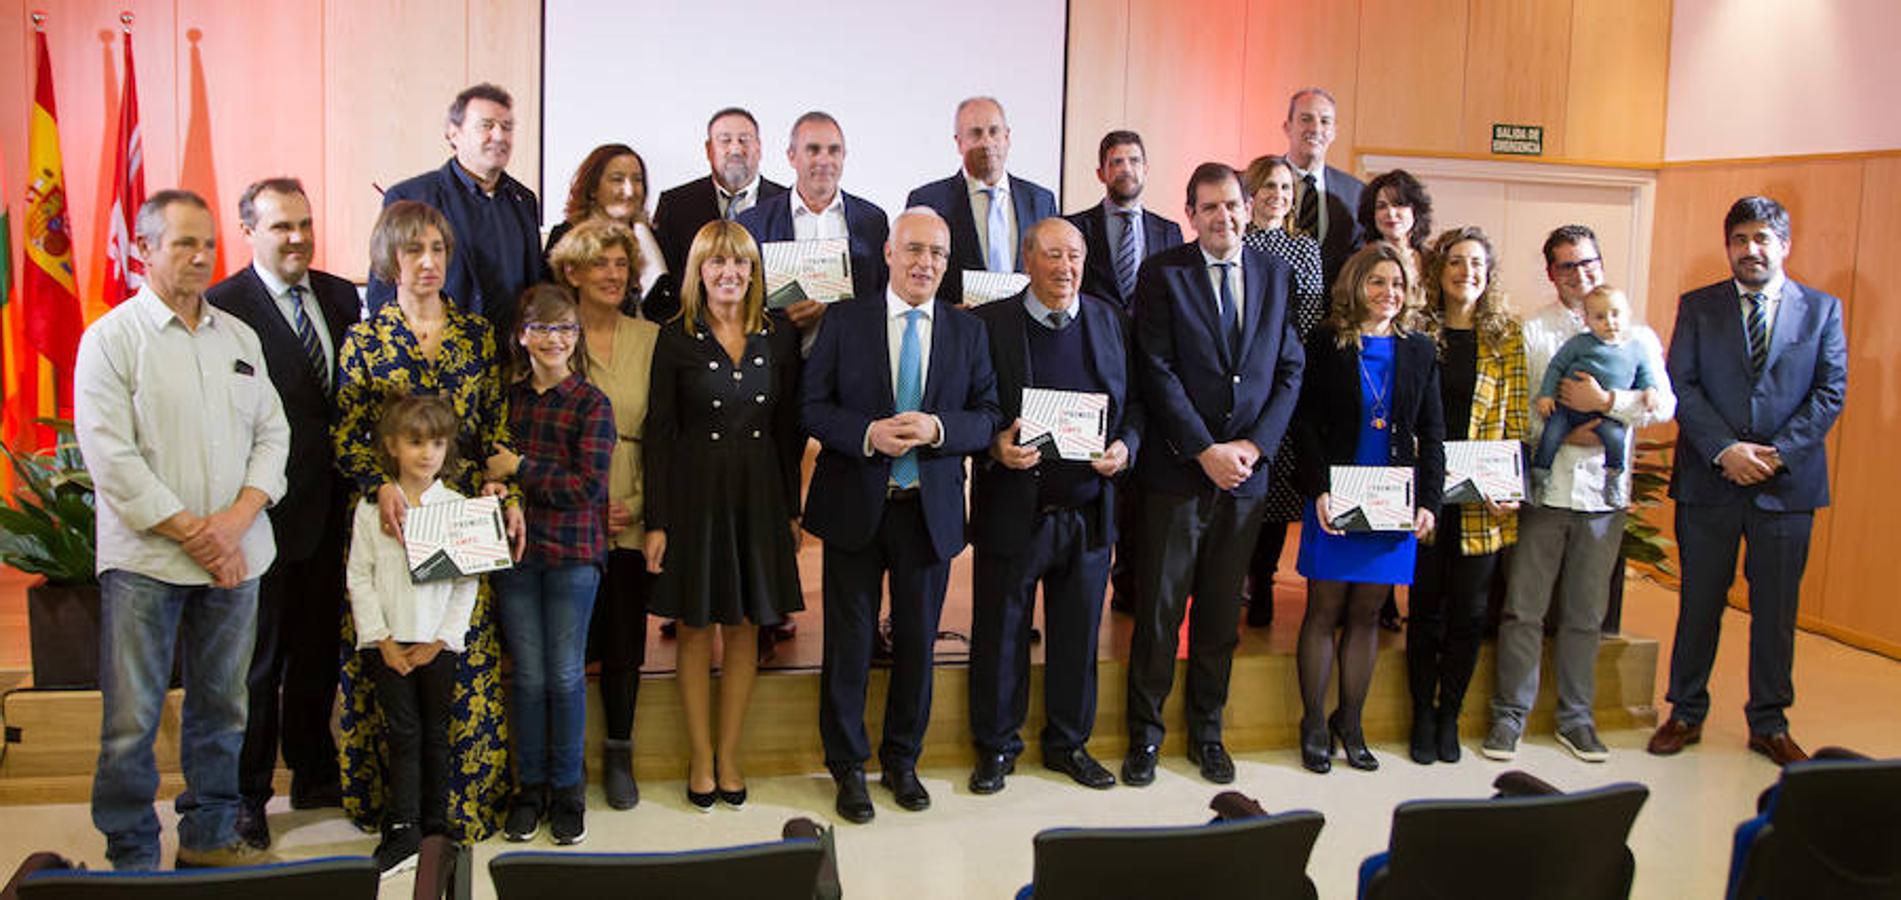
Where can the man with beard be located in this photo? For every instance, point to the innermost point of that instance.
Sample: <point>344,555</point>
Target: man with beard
<point>732,187</point>
<point>1220,373</point>
<point>985,206</point>
<point>1118,232</point>
<point>1761,368</point>
<point>300,316</point>
<point>496,219</point>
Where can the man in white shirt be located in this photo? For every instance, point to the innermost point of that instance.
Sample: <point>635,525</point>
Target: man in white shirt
<point>1568,538</point>
<point>187,442</point>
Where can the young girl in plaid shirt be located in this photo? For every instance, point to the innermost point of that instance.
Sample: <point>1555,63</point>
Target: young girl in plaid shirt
<point>563,429</point>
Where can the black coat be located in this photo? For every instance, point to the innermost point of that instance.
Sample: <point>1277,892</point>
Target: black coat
<point>1327,420</point>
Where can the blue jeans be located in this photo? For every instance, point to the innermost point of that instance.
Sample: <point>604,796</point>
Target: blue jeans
<point>141,620</point>
<point>545,612</point>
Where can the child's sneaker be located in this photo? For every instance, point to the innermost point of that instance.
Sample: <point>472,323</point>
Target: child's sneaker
<point>1615,496</point>
<point>525,813</point>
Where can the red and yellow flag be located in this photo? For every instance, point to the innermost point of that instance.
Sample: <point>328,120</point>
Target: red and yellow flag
<point>19,366</point>
<point>124,271</point>
<point>48,292</point>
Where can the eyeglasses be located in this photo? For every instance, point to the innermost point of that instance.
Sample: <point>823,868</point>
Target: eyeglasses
<point>547,330</point>
<point>1575,266</point>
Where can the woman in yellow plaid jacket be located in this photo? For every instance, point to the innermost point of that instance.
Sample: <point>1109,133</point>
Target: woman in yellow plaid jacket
<point>1486,398</point>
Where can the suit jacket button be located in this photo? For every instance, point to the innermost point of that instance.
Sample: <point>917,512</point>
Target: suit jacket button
<point>712,364</point>
<point>716,435</point>
<point>1237,379</point>
<point>716,403</point>
<point>755,433</point>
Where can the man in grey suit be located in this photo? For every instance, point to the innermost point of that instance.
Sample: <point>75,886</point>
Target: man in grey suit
<point>1325,198</point>
<point>1761,367</point>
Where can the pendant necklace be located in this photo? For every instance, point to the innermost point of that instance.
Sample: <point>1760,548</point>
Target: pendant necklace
<point>1379,397</point>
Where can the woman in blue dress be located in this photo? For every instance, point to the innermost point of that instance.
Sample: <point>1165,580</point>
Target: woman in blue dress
<point>1369,397</point>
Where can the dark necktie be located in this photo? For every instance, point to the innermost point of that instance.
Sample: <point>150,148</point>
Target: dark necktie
<point>1058,319</point>
<point>307,337</point>
<point>1127,254</point>
<point>1224,307</point>
<point>1757,318</point>
<point>1307,218</point>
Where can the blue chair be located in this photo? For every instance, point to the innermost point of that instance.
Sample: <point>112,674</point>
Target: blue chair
<point>1530,842</point>
<point>1244,853</point>
<point>330,878</point>
<point>1830,828</point>
<point>797,867</point>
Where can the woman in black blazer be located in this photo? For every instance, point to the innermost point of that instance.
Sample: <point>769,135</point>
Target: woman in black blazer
<point>1369,397</point>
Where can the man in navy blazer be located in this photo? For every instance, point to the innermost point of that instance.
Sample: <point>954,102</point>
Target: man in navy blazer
<point>1037,517</point>
<point>300,595</point>
<point>898,391</point>
<point>1760,365</point>
<point>816,208</point>
<point>1326,200</point>
<point>1219,385</point>
<point>983,234</point>
<point>732,187</point>
<point>1109,272</point>
<point>496,219</point>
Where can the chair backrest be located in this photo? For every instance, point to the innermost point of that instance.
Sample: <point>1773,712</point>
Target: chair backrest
<point>331,878</point>
<point>1554,847</point>
<point>1833,830</point>
<point>1259,857</point>
<point>780,870</point>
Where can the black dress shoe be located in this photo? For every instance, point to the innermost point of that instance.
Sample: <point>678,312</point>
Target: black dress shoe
<point>1316,747</point>
<point>1080,766</point>
<point>1352,744</point>
<point>854,800</point>
<point>252,828</point>
<point>1216,765</point>
<point>987,778</point>
<point>318,795</point>
<point>906,789</point>
<point>1138,768</point>
<point>1448,726</point>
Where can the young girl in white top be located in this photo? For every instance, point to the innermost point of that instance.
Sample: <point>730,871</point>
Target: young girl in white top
<point>409,633</point>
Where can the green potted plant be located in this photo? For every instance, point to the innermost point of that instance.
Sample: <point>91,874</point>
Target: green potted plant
<point>46,529</point>
<point>1645,547</point>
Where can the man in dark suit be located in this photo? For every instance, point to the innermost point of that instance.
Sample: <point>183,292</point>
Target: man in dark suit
<point>1116,247</point>
<point>1220,375</point>
<point>985,206</point>
<point>817,209</point>
<point>496,219</point>
<point>1326,200</point>
<point>898,390</point>
<point>1040,518</point>
<point>733,186</point>
<point>300,316</point>
<point>1760,365</point>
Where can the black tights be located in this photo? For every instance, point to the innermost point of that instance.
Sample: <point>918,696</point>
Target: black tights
<point>1355,608</point>
<point>619,634</point>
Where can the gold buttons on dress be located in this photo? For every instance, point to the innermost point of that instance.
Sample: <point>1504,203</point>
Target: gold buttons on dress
<point>716,435</point>
<point>759,399</point>
<point>712,364</point>
<point>716,403</point>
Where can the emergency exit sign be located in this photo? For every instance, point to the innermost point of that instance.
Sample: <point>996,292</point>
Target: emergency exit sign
<point>1518,140</point>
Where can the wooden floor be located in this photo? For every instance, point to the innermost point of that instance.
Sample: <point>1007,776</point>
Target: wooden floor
<point>57,731</point>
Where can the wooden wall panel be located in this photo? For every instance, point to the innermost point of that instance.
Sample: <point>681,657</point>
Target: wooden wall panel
<point>252,108</point>
<point>385,96</point>
<point>1187,114</point>
<point>1619,76</point>
<point>1295,45</point>
<point>1412,59</point>
<point>504,46</point>
<point>1516,68</point>
<point>1096,102</point>
<point>1859,563</point>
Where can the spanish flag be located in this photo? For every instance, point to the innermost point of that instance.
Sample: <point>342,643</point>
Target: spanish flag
<point>48,293</point>
<point>19,366</point>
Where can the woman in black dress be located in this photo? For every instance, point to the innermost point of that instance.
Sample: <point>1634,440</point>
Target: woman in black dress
<point>1269,181</point>
<point>722,447</point>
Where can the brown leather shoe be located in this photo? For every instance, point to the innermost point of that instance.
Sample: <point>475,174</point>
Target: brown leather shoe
<point>1779,747</point>
<point>1674,735</point>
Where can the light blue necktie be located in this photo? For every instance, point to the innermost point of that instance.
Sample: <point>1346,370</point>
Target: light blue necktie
<point>998,228</point>
<point>910,394</point>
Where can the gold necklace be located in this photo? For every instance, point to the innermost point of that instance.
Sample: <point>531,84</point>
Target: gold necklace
<point>1379,396</point>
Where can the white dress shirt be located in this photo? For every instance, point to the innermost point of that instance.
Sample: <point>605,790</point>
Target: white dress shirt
<point>826,224</point>
<point>280,292</point>
<point>1577,473</point>
<point>385,603</point>
<point>173,419</point>
<point>895,310</point>
<point>1236,282</point>
<point>980,214</point>
<point>725,198</point>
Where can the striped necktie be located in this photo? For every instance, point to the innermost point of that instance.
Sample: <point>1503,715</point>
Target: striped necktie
<point>910,394</point>
<point>1757,319</point>
<point>1127,254</point>
<point>307,337</point>
<point>1307,217</point>
<point>732,205</point>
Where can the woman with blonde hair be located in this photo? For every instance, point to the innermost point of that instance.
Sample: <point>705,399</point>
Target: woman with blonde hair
<point>723,448</point>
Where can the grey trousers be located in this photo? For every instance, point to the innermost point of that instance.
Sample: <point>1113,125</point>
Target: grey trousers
<point>1578,551</point>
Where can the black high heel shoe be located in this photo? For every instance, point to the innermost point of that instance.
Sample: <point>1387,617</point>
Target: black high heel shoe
<point>1316,748</point>
<point>735,799</point>
<point>701,802</point>
<point>1353,745</point>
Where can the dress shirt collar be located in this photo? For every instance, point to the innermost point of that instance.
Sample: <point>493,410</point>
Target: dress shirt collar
<point>1772,290</point>
<point>560,390</point>
<point>1042,313</point>
<point>800,210</point>
<point>278,286</point>
<point>436,492</point>
<point>975,185</point>
<point>1209,259</point>
<point>158,314</point>
<point>895,306</point>
<point>468,179</point>
<point>751,190</point>
<point>1113,209</point>
<point>1319,171</point>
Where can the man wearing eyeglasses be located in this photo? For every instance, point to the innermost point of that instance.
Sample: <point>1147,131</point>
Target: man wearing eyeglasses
<point>1568,537</point>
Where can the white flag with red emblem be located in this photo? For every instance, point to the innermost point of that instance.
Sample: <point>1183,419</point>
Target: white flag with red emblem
<point>125,272</point>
